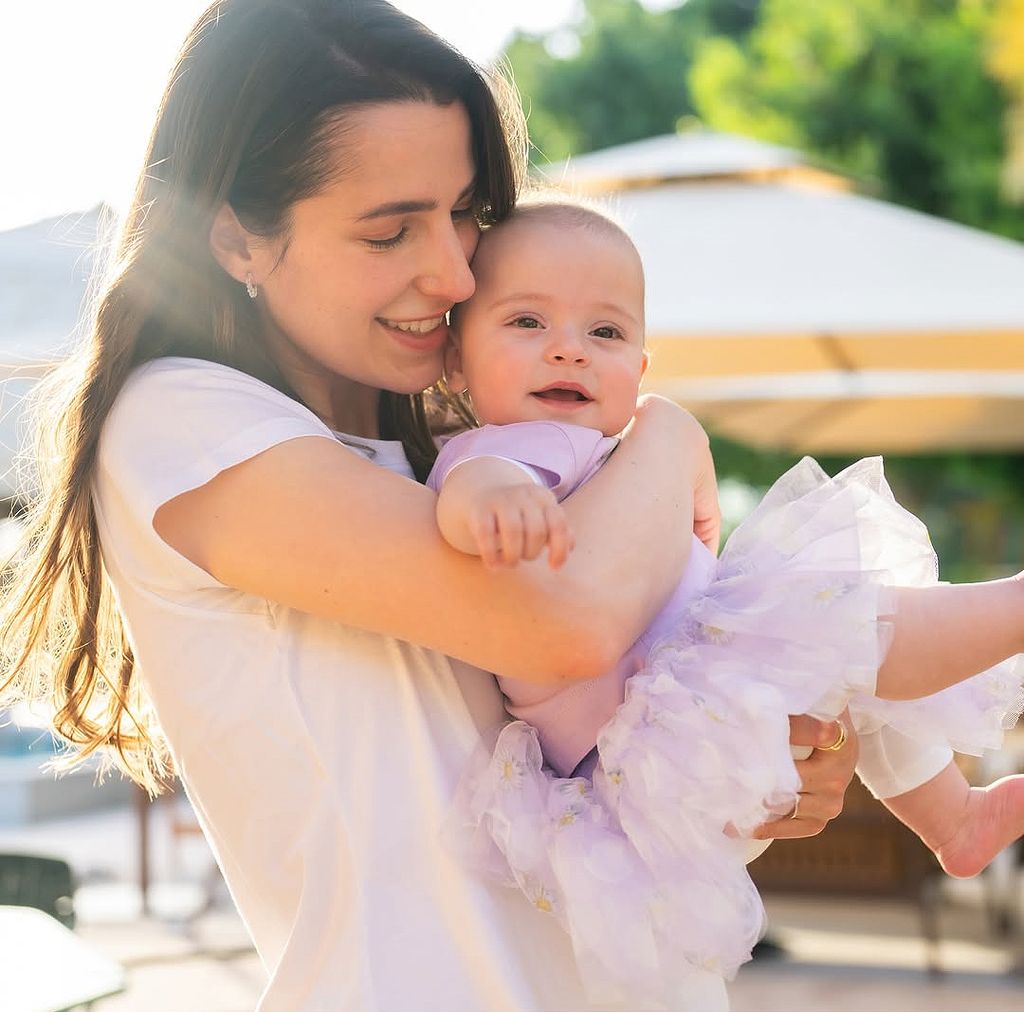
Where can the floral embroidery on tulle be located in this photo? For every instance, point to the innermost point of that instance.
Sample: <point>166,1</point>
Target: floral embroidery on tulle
<point>511,771</point>
<point>541,897</point>
<point>635,867</point>
<point>707,709</point>
<point>714,634</point>
<point>830,592</point>
<point>576,787</point>
<point>570,814</point>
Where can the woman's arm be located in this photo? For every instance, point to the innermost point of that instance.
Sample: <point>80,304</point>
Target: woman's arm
<point>309,524</point>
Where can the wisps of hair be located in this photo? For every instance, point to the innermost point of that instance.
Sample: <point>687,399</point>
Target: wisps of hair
<point>573,210</point>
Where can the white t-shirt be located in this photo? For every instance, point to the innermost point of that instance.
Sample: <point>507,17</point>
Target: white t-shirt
<point>321,759</point>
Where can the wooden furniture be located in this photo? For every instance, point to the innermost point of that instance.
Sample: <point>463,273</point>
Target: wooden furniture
<point>865,852</point>
<point>47,968</point>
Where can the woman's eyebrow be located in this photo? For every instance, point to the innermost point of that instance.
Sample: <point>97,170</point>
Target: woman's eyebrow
<point>411,206</point>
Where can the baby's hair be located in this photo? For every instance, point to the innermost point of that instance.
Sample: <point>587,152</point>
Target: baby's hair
<point>571,210</point>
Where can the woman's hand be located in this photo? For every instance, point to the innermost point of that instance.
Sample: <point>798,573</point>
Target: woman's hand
<point>707,516</point>
<point>824,775</point>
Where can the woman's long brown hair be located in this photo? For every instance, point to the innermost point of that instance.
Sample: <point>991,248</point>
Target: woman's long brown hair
<point>244,120</point>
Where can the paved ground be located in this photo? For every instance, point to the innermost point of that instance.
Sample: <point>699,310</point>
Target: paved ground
<point>850,957</point>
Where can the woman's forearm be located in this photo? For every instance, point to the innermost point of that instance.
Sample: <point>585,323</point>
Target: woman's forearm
<point>634,519</point>
<point>310,525</point>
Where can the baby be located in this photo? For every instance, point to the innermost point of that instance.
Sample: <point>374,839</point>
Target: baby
<point>801,614</point>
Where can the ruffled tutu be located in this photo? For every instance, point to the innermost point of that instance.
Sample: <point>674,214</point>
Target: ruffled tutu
<point>643,864</point>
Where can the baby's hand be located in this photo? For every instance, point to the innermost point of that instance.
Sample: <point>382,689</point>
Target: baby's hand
<point>491,507</point>
<point>514,523</point>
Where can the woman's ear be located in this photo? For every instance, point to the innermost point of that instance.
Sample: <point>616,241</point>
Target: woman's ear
<point>232,246</point>
<point>453,374</point>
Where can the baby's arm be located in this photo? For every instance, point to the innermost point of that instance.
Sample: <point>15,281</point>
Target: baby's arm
<point>492,507</point>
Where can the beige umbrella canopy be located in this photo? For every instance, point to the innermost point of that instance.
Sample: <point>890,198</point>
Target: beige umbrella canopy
<point>787,311</point>
<point>44,275</point>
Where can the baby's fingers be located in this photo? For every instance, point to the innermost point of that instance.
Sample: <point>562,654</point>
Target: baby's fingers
<point>485,530</point>
<point>537,504</point>
<point>511,534</point>
<point>535,529</point>
<point>560,539</point>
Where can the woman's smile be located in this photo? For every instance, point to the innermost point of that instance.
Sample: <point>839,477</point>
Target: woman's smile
<point>427,336</point>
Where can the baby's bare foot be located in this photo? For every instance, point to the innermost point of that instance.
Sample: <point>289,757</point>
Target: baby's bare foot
<point>993,818</point>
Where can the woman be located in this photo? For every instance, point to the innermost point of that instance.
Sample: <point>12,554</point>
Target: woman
<point>273,595</point>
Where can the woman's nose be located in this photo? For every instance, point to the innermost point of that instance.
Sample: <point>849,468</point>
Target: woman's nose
<point>447,274</point>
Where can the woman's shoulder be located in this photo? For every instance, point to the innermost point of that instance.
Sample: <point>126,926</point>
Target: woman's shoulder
<point>179,390</point>
<point>176,375</point>
<point>189,417</point>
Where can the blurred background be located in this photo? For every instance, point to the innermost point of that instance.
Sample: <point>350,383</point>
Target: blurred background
<point>829,199</point>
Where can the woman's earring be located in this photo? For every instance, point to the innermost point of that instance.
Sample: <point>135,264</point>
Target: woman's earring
<point>250,287</point>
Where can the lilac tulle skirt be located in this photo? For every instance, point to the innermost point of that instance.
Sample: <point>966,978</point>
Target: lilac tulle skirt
<point>643,862</point>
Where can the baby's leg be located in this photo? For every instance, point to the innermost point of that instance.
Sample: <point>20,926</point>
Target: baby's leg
<point>964,826</point>
<point>948,632</point>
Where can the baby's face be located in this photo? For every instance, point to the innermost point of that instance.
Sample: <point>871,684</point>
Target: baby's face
<point>555,328</point>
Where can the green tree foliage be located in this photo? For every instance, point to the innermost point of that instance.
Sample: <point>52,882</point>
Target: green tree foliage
<point>1006,61</point>
<point>899,94</point>
<point>913,98</point>
<point>619,74</point>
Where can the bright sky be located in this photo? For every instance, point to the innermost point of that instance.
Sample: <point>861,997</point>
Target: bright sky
<point>79,82</point>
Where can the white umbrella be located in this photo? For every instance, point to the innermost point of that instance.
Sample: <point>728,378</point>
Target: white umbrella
<point>697,155</point>
<point>45,269</point>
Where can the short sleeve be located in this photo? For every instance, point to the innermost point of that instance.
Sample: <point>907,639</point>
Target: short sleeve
<point>177,423</point>
<point>174,426</point>
<point>562,455</point>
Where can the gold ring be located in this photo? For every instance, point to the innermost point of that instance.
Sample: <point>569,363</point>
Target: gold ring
<point>839,742</point>
<point>796,807</point>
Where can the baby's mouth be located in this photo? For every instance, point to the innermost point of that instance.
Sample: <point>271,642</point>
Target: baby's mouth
<point>562,394</point>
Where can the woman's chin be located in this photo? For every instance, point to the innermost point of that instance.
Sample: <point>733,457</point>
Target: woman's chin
<point>414,382</point>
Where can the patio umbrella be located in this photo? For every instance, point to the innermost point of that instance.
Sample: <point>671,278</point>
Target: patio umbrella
<point>787,311</point>
<point>44,275</point>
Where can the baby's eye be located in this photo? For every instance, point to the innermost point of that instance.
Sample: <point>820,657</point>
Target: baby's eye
<point>526,322</point>
<point>607,331</point>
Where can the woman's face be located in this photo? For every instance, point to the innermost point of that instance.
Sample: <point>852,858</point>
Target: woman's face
<point>355,295</point>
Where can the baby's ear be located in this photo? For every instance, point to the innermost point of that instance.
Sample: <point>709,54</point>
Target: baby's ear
<point>453,365</point>
<point>645,362</point>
